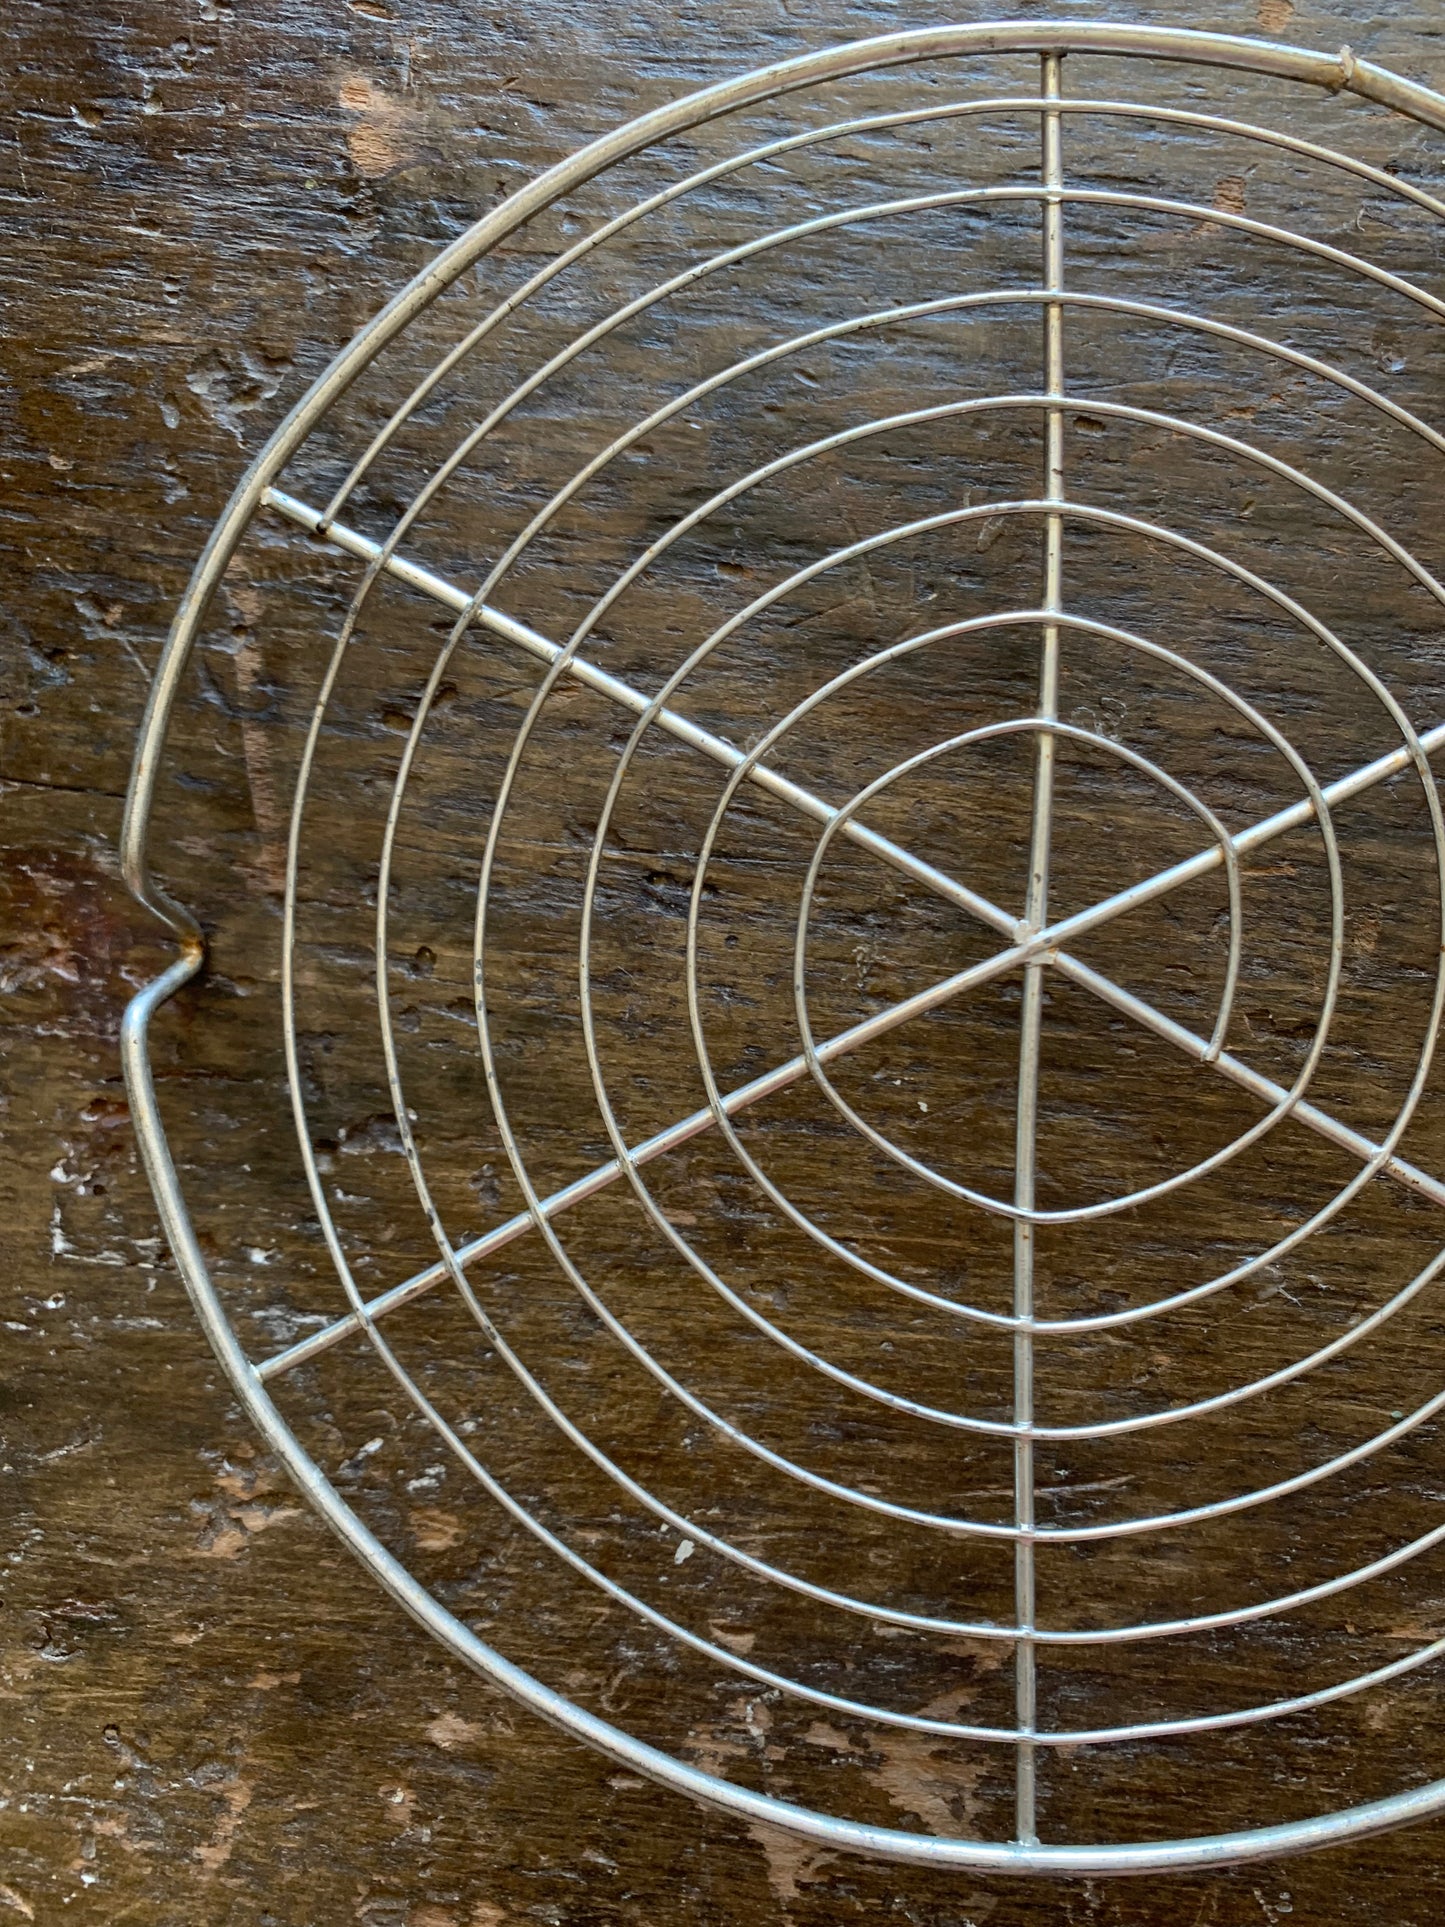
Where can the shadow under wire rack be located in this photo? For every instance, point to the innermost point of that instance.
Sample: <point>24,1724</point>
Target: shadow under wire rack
<point>797,713</point>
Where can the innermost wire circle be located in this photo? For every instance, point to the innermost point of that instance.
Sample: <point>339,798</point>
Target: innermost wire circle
<point>1031,945</point>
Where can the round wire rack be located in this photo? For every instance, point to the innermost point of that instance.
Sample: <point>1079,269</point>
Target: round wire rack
<point>852,1243</point>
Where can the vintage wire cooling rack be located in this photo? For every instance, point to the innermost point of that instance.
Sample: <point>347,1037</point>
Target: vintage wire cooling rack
<point>807,576</point>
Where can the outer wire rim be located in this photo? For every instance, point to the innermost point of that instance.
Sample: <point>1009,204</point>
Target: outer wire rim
<point>1335,73</point>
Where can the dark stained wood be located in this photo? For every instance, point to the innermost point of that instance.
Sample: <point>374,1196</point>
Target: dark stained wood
<point>209,1713</point>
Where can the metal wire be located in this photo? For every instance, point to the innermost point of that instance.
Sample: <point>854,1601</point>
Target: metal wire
<point>1036,941</point>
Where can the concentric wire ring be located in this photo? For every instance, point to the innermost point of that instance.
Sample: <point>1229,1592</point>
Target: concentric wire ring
<point>1036,943</point>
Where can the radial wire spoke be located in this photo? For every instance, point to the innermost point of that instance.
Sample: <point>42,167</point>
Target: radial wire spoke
<point>1031,1006</point>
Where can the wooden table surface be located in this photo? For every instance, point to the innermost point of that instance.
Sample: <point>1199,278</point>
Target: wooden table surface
<point>209,1713</point>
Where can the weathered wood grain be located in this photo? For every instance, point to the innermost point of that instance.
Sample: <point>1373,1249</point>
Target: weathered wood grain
<point>209,1714</point>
